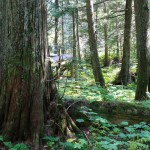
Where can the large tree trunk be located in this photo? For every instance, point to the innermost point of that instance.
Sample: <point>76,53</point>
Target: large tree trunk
<point>93,45</point>
<point>142,20</point>
<point>25,95</point>
<point>2,23</point>
<point>21,103</point>
<point>124,76</point>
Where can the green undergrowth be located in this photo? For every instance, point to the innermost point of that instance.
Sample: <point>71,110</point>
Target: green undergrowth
<point>8,145</point>
<point>103,135</point>
<point>86,89</point>
<point>146,103</point>
<point>100,135</point>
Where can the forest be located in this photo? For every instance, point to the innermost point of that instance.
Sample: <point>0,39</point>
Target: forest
<point>74,75</point>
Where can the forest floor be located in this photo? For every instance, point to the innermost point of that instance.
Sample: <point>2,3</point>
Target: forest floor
<point>102,131</point>
<point>109,118</point>
<point>86,89</point>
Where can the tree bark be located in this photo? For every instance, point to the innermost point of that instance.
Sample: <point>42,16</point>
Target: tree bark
<point>24,48</point>
<point>148,46</point>
<point>56,30</point>
<point>62,32</point>
<point>2,56</point>
<point>77,33</point>
<point>106,62</point>
<point>142,20</point>
<point>117,39</point>
<point>93,45</point>
<point>26,98</point>
<point>124,76</point>
<point>75,57</point>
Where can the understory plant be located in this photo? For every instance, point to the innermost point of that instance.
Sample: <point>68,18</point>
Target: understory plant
<point>104,135</point>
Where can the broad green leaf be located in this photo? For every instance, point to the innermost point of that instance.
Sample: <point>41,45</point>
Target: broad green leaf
<point>78,145</point>
<point>122,135</point>
<point>80,120</point>
<point>8,144</point>
<point>116,130</point>
<point>50,144</point>
<point>130,129</point>
<point>124,123</point>
<point>1,139</point>
<point>82,141</point>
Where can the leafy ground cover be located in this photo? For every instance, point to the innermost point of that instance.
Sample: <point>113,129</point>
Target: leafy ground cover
<point>85,88</point>
<point>103,135</point>
<point>8,145</point>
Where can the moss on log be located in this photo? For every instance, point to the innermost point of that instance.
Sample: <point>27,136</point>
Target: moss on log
<point>114,112</point>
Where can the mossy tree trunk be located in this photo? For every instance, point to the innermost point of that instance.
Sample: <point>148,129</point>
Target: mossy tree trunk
<point>2,55</point>
<point>97,72</point>
<point>25,95</point>
<point>142,20</point>
<point>124,77</point>
<point>21,103</point>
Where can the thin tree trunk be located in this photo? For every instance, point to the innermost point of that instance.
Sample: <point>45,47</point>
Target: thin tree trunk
<point>62,29</point>
<point>117,38</point>
<point>77,33</point>
<point>142,20</point>
<point>93,45</point>
<point>75,59</point>
<point>56,30</point>
<point>124,76</point>
<point>96,20</point>
<point>106,62</point>
<point>148,56</point>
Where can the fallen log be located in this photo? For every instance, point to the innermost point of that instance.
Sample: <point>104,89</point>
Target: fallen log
<point>114,112</point>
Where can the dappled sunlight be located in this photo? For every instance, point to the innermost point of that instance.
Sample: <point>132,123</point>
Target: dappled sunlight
<point>85,88</point>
